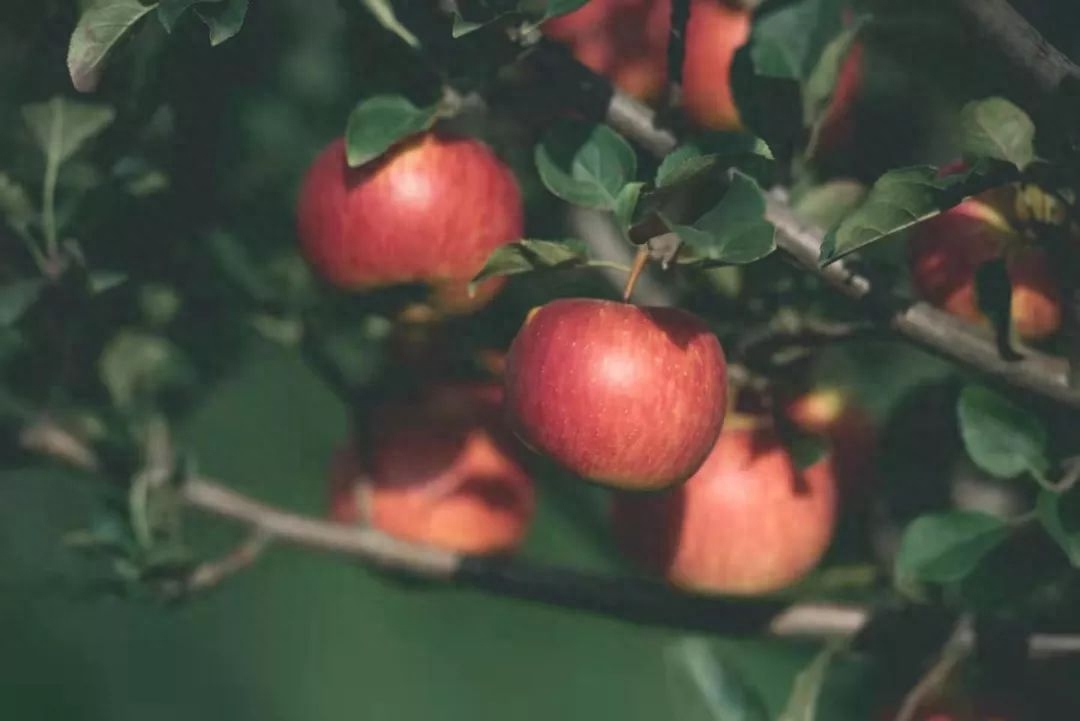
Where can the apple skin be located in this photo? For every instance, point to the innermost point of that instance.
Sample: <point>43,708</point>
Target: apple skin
<point>852,434</point>
<point>430,210</point>
<point>946,251</point>
<point>622,395</point>
<point>442,471</point>
<point>747,523</point>
<point>715,32</point>
<point>623,40</point>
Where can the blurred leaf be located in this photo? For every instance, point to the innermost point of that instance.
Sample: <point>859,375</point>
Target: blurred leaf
<point>735,229</point>
<point>905,197</point>
<point>15,204</point>
<point>99,281</point>
<point>356,353</point>
<point>946,547</point>
<point>383,11</point>
<point>555,8</point>
<point>802,705</point>
<point>585,164</point>
<point>787,40</point>
<point>17,297</point>
<point>224,20</point>
<point>470,15</point>
<point>526,256</point>
<point>1001,437</point>
<point>996,128</point>
<point>820,84</point>
<point>62,126</point>
<point>170,11</point>
<point>704,686</point>
<point>826,205</point>
<point>377,123</point>
<point>1059,514</point>
<point>993,292</point>
<point>683,163</point>
<point>233,259</point>
<point>626,204</point>
<point>98,30</point>
<point>136,366</point>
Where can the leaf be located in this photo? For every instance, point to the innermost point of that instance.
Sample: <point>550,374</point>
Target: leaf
<point>826,205</point>
<point>1001,437</point>
<point>383,11</point>
<point>526,256</point>
<point>946,547</point>
<point>904,197</point>
<point>996,128</point>
<point>683,163</point>
<point>802,705</point>
<point>470,15</point>
<point>821,83</point>
<point>100,281</point>
<point>15,204</point>
<point>136,366</point>
<point>98,30</point>
<point>379,122</point>
<point>224,20</point>
<point>787,40</point>
<point>704,686</point>
<point>733,231</point>
<point>555,8</point>
<point>585,164</point>
<point>62,126</point>
<point>1059,514</point>
<point>17,297</point>
<point>170,11</point>
<point>626,204</point>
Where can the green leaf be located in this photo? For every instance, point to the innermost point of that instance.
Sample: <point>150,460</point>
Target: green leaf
<point>585,164</point>
<point>98,30</point>
<point>379,122</point>
<point>470,15</point>
<point>802,705</point>
<point>735,229</point>
<point>62,126</point>
<point>704,686</point>
<point>626,204</point>
<point>15,205</point>
<point>137,366</point>
<point>787,40</point>
<point>1059,514</point>
<point>526,256</point>
<point>100,281</point>
<point>170,11</point>
<point>819,87</point>
<point>904,197</point>
<point>996,128</point>
<point>946,547</point>
<point>681,164</point>
<point>224,20</point>
<point>383,11</point>
<point>555,8</point>
<point>826,205</point>
<point>17,297</point>
<point>1002,438</point>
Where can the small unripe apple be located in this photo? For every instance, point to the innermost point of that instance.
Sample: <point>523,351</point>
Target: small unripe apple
<point>945,254</point>
<point>831,413</point>
<point>622,395</point>
<point>747,523</point>
<point>441,470</point>
<point>715,32</point>
<point>430,210</point>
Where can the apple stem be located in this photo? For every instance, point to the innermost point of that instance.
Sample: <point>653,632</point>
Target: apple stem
<point>640,260</point>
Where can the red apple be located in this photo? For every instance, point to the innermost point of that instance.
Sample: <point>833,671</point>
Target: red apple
<point>747,523</point>
<point>430,210</point>
<point>441,470</point>
<point>837,129</point>
<point>625,396</point>
<point>715,32</point>
<point>851,432</point>
<point>946,251</point>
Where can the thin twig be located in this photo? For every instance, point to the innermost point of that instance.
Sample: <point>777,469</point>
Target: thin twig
<point>955,650</point>
<point>211,573</point>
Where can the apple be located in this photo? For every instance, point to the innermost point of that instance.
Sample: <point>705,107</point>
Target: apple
<point>716,30</point>
<point>440,470</point>
<point>831,413</point>
<point>623,40</point>
<point>626,42</point>
<point>946,251</point>
<point>430,210</point>
<point>747,523</point>
<point>837,130</point>
<point>625,396</point>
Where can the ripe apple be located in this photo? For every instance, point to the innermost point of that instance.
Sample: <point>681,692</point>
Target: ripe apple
<point>946,251</point>
<point>429,211</point>
<point>625,396</point>
<point>747,523</point>
<point>715,32</point>
<point>623,40</point>
<point>441,470</point>
<point>831,413</point>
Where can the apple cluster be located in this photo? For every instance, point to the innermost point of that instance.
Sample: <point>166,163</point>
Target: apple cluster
<point>631,398</point>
